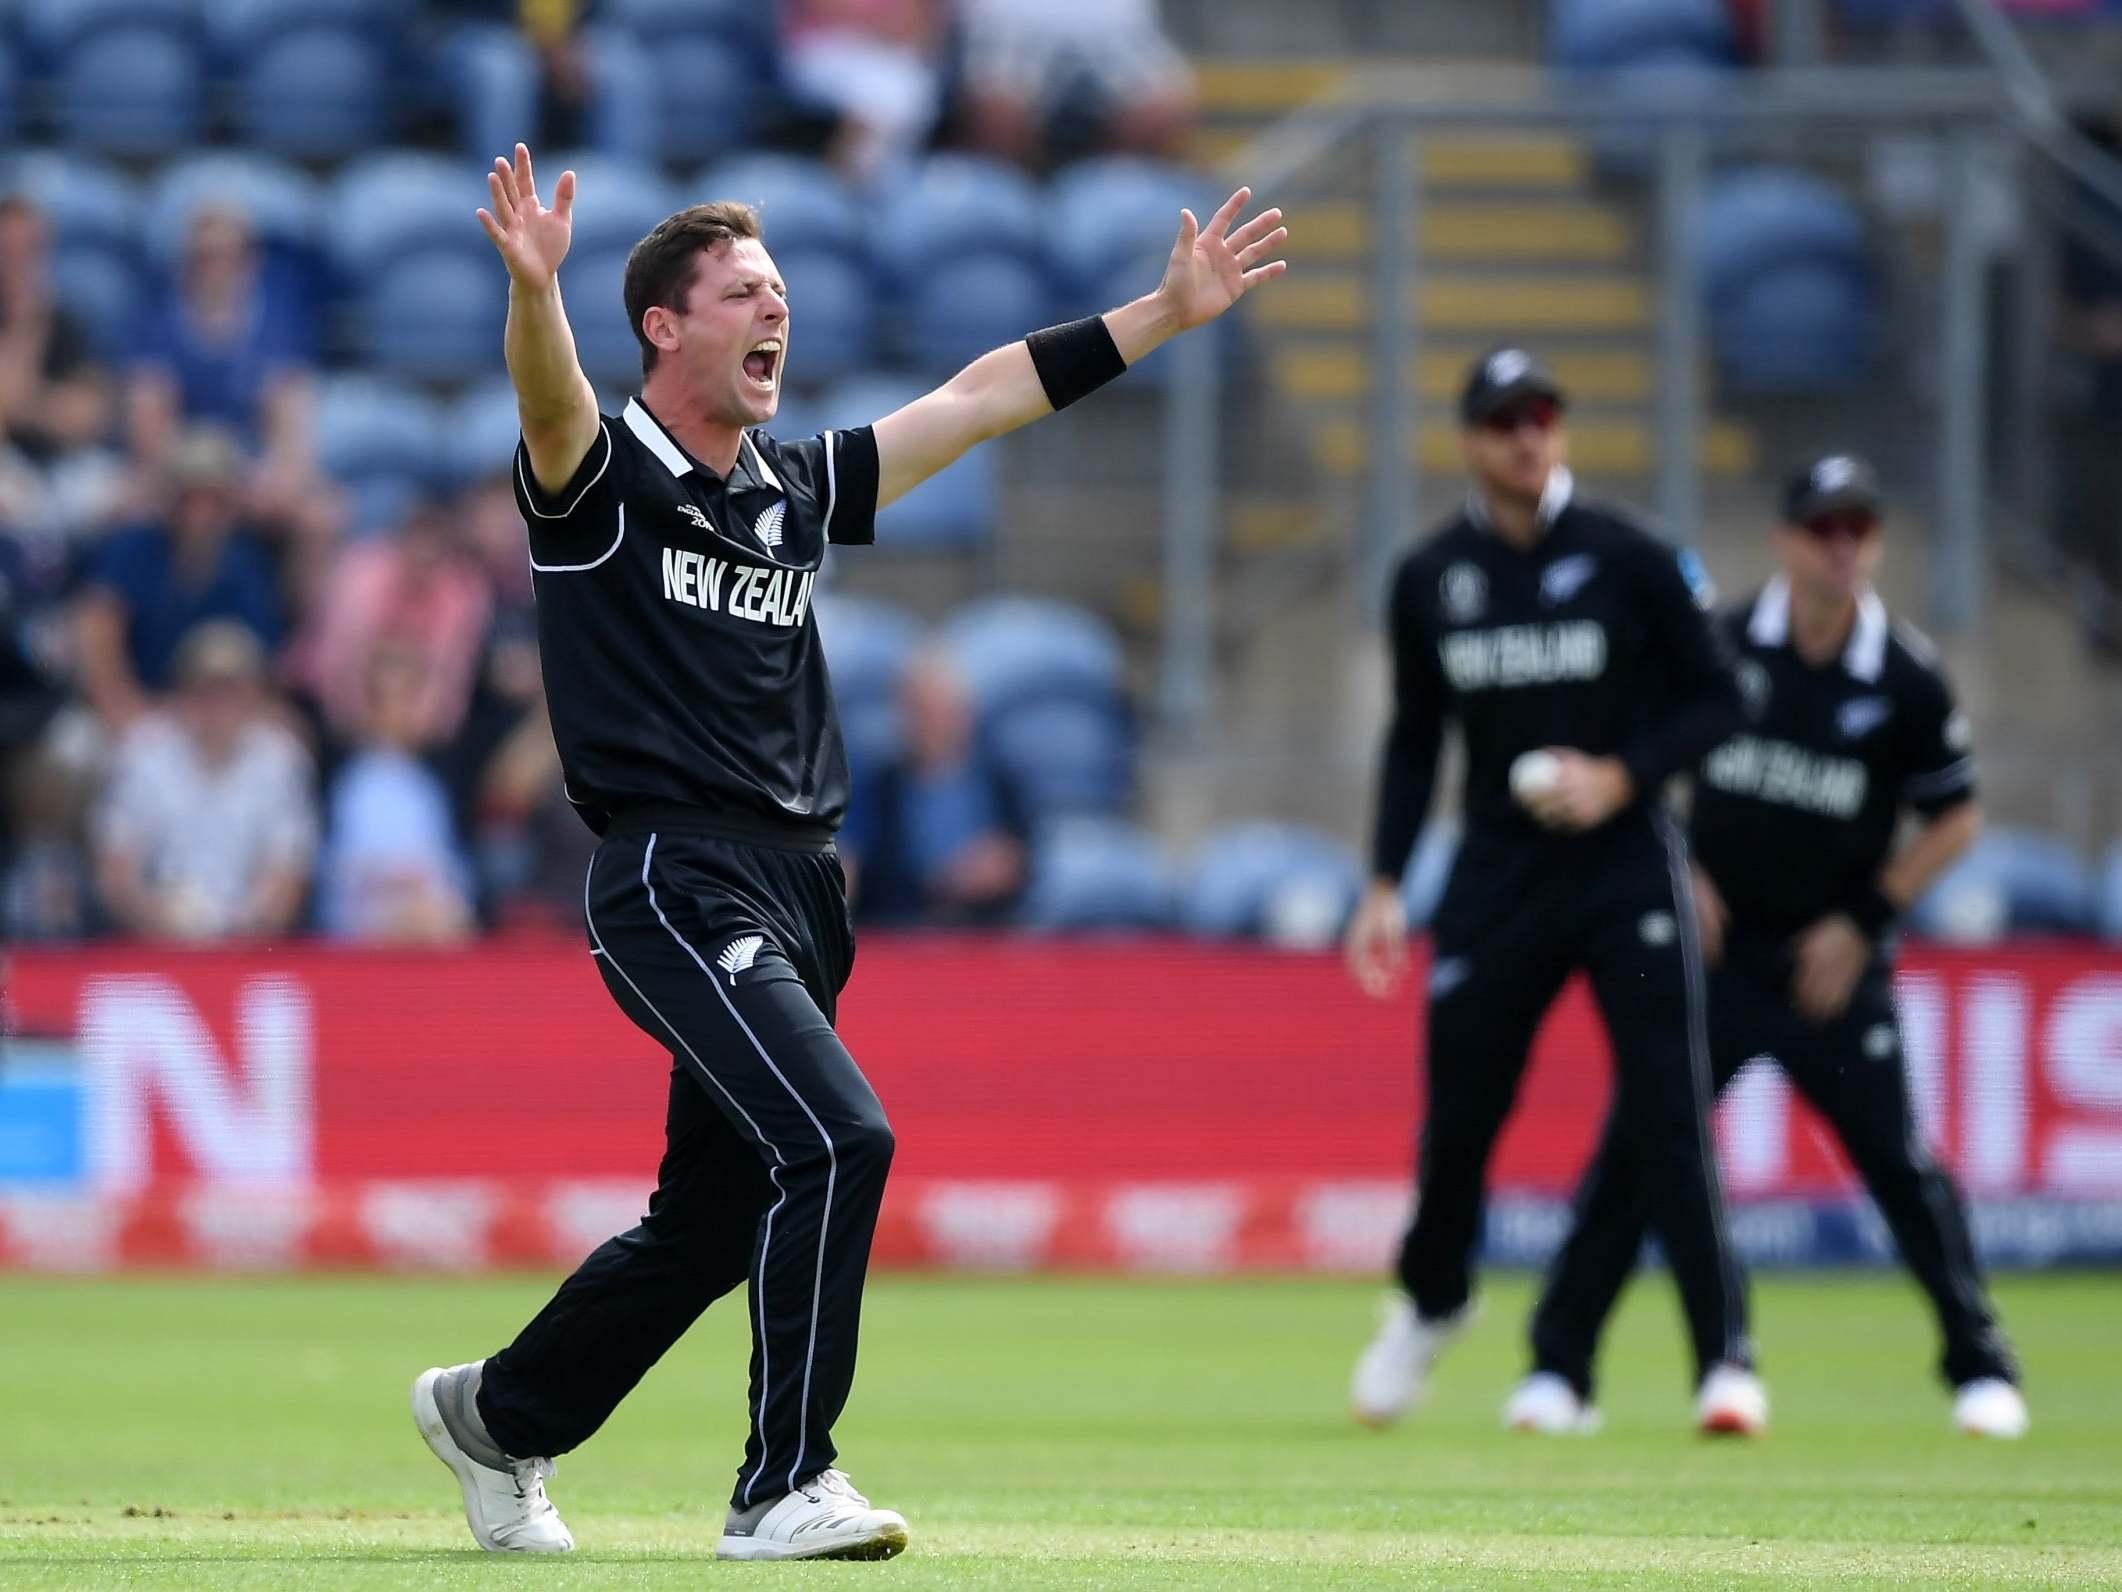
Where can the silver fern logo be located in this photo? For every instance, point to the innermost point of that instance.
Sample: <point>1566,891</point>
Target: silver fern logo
<point>740,954</point>
<point>768,526</point>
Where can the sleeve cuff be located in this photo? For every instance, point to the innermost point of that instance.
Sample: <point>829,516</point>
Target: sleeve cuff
<point>851,487</point>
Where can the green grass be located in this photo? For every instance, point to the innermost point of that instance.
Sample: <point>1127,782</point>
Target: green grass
<point>1058,1434</point>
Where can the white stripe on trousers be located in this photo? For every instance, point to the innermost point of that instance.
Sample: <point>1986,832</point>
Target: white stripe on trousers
<point>832,1174</point>
<point>598,948</point>
<point>1699,1064</point>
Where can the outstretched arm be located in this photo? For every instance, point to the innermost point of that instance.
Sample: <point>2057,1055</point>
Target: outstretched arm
<point>1210,270</point>
<point>555,400</point>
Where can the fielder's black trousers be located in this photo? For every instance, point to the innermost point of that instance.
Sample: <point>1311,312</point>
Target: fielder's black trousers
<point>1851,1070</point>
<point>731,956</point>
<point>1520,915</point>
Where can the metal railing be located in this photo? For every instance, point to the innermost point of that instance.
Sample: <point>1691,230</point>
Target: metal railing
<point>1381,117</point>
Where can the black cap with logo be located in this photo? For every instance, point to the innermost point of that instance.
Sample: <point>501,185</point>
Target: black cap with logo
<point>1501,378</point>
<point>1831,484</point>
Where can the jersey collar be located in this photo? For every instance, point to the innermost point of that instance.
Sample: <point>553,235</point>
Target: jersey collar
<point>1554,498</point>
<point>1865,655</point>
<point>751,468</point>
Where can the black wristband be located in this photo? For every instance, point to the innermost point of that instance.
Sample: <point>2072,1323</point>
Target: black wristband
<point>1874,914</point>
<point>1075,360</point>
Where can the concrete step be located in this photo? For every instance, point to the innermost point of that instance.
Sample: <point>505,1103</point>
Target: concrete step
<point>1618,445</point>
<point>1553,231</point>
<point>1478,162</point>
<point>1320,372</point>
<point>1505,304</point>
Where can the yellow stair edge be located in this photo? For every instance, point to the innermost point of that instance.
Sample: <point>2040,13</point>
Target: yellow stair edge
<point>1447,160</point>
<point>1510,305</point>
<point>1596,447</point>
<point>1318,374</point>
<point>1264,87</point>
<point>1517,230</point>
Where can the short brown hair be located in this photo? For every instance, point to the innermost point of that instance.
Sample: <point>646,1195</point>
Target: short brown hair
<point>659,271</point>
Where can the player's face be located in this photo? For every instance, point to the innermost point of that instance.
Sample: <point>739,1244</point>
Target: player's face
<point>1516,449</point>
<point>732,340</point>
<point>1834,557</point>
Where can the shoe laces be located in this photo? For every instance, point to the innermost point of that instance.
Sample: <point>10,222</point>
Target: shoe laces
<point>836,1483</point>
<point>531,1476</point>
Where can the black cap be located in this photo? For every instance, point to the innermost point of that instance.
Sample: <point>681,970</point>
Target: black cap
<point>1832,482</point>
<point>1502,377</point>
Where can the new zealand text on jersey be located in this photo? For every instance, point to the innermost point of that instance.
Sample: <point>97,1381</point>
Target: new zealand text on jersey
<point>743,591</point>
<point>1787,775</point>
<point>1521,655</point>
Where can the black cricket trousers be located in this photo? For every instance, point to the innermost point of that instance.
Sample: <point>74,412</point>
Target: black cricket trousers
<point>1851,1070</point>
<point>1518,917</point>
<point>731,956</point>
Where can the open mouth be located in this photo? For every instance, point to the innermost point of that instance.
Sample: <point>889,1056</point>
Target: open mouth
<point>762,363</point>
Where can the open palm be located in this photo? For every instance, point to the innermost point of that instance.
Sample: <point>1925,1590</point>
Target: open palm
<point>1212,266</point>
<point>532,239</point>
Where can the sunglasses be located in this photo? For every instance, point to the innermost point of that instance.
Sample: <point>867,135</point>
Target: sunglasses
<point>1858,525</point>
<point>1539,413</point>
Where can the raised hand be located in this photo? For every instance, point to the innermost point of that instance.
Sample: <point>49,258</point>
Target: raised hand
<point>1212,266</point>
<point>532,239</point>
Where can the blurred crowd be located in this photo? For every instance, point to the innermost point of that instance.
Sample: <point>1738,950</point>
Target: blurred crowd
<point>236,700</point>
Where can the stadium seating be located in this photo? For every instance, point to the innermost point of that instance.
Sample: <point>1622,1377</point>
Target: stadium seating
<point>316,93</point>
<point>833,322</point>
<point>236,29</point>
<point>1281,882</point>
<point>389,205</point>
<point>868,645</point>
<point>434,316</point>
<point>480,436</point>
<point>1597,35</point>
<point>1428,871</point>
<point>1111,216</point>
<point>1025,649</point>
<point>594,281</point>
<point>133,90</point>
<point>617,201</point>
<point>282,204</point>
<point>2010,881</point>
<point>368,427</point>
<point>951,512</point>
<point>51,27</point>
<point>1093,874</point>
<point>962,308</point>
<point>1068,755</point>
<point>1787,280</point>
<point>10,91</point>
<point>958,208</point>
<point>707,94</point>
<point>94,212</point>
<point>803,205</point>
<point>2109,886</point>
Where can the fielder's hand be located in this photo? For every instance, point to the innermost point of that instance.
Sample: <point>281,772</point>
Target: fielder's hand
<point>1587,791</point>
<point>1376,945</point>
<point>1212,267</point>
<point>532,239</point>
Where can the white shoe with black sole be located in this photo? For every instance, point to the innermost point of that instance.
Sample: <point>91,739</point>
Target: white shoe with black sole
<point>504,1498</point>
<point>824,1518</point>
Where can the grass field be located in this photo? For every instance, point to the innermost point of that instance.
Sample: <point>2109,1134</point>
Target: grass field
<point>1057,1434</point>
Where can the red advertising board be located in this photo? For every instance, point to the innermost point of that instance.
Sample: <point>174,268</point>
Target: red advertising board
<point>1054,1102</point>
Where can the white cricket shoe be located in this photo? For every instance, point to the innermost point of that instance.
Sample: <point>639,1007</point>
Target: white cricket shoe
<point>825,1518</point>
<point>1989,1406</point>
<point>1547,1404</point>
<point>1393,1370</point>
<point>1732,1402</point>
<point>505,1506</point>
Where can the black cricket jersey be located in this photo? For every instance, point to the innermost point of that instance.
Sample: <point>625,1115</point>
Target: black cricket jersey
<point>1793,816</point>
<point>1594,638</point>
<point>681,656</point>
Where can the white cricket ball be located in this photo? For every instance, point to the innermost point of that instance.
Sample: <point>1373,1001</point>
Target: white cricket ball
<point>1534,774</point>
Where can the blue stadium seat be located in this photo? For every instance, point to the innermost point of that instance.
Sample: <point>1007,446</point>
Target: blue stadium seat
<point>367,426</point>
<point>388,205</point>
<point>963,308</point>
<point>2110,894</point>
<point>1117,215</point>
<point>1787,280</point>
<point>137,90</point>
<point>94,213</point>
<point>1282,882</point>
<point>480,437</point>
<point>745,24</point>
<point>832,315</point>
<point>1428,872</point>
<point>594,282</point>
<point>11,75</point>
<point>958,208</point>
<point>709,95</point>
<point>2010,881</point>
<point>1594,35</point>
<point>317,93</point>
<point>51,27</point>
<point>103,287</point>
<point>803,204</point>
<point>951,512</point>
<point>1022,649</point>
<point>868,645</point>
<point>1069,755</point>
<point>238,29</point>
<point>1097,874</point>
<point>435,315</point>
<point>617,202</point>
<point>377,505</point>
<point>283,203</point>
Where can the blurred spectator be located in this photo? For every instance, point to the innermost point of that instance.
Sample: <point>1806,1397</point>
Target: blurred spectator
<point>877,66</point>
<point>543,70</point>
<point>1047,80</point>
<point>53,394</point>
<point>940,834</point>
<point>391,868</point>
<point>39,886</point>
<point>150,586</point>
<point>2091,499</point>
<point>233,345</point>
<point>414,592</point>
<point>207,829</point>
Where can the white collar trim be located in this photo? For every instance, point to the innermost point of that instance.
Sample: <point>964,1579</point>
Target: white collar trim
<point>653,437</point>
<point>1865,655</point>
<point>767,478</point>
<point>1554,498</point>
